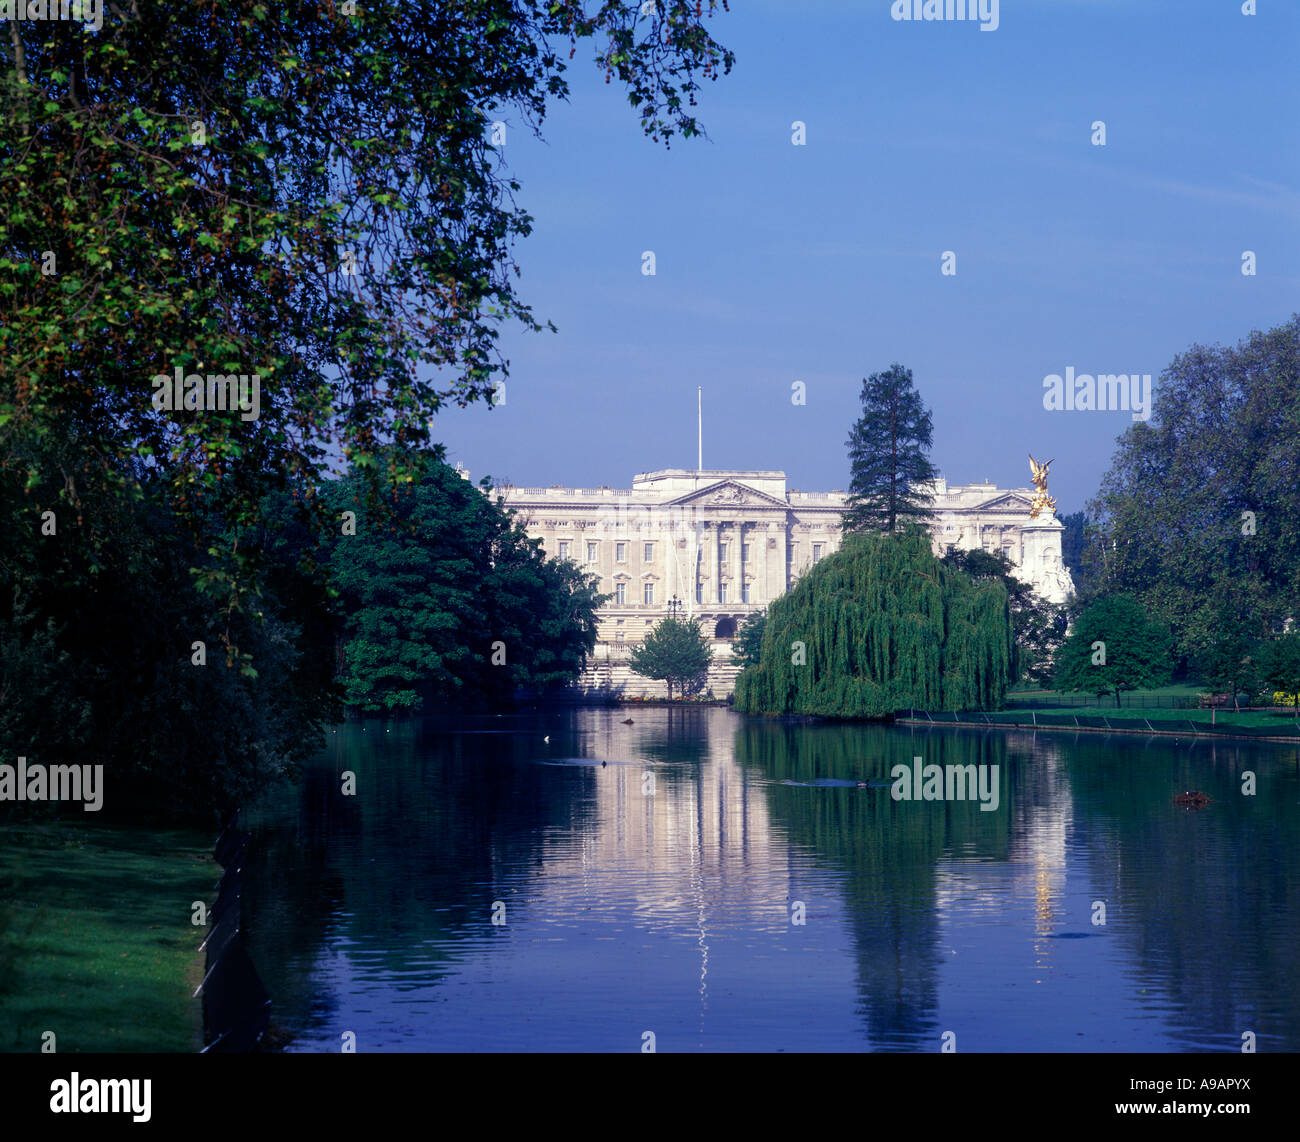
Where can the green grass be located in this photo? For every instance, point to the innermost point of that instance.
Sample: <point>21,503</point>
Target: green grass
<point>96,942</point>
<point>1176,690</point>
<point>1284,724</point>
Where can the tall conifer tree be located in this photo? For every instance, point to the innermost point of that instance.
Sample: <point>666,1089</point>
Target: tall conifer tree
<point>887,453</point>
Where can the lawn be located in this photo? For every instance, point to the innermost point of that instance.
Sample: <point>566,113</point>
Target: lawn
<point>96,943</point>
<point>1284,723</point>
<point>1180,694</point>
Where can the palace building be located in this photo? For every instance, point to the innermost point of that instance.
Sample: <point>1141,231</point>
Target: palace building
<point>720,545</point>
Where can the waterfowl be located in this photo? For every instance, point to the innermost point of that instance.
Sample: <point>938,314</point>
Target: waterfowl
<point>1194,799</point>
<point>627,721</point>
<point>547,738</point>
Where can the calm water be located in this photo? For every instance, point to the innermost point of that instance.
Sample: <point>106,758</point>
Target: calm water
<point>659,893</point>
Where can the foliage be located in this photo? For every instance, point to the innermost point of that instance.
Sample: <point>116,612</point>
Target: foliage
<point>748,644</point>
<point>1039,625</point>
<point>1199,515</point>
<point>1279,665</point>
<point>879,626</point>
<point>308,197</point>
<point>675,651</point>
<point>1079,553</point>
<point>1134,653</point>
<point>887,455</point>
<point>304,192</point>
<point>447,601</point>
<point>1224,655</point>
<point>98,663</point>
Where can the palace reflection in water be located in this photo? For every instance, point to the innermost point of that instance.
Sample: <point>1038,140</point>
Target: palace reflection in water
<point>725,884</point>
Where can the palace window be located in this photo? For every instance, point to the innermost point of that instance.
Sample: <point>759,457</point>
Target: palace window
<point>564,549</point>
<point>817,551</point>
<point>744,592</point>
<point>699,592</point>
<point>744,552</point>
<point>648,553</point>
<point>618,636</point>
<point>591,553</point>
<point>620,552</point>
<point>649,594</point>
<point>722,592</point>
<point>620,593</point>
<point>722,553</point>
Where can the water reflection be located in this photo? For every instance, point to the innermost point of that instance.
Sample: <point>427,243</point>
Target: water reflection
<point>742,884</point>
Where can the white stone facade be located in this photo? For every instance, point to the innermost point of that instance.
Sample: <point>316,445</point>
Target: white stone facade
<point>727,543</point>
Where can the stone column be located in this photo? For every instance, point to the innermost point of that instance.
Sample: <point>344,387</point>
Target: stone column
<point>717,560</point>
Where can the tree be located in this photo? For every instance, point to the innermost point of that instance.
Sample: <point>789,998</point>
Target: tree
<point>1223,652</point>
<point>307,196</point>
<point>107,656</point>
<point>447,601</point>
<point>305,193</point>
<point>1078,552</point>
<point>887,455</point>
<point>748,644</point>
<point>1279,665</point>
<point>675,651</point>
<point>879,626</point>
<point>1039,625</point>
<point>1200,511</point>
<point>1229,662</point>
<point>1113,647</point>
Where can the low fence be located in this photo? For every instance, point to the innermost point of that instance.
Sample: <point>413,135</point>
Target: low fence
<point>1039,700</point>
<point>236,1007</point>
<point>1032,719</point>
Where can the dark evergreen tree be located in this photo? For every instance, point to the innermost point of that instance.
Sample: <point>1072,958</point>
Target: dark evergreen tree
<point>882,625</point>
<point>887,455</point>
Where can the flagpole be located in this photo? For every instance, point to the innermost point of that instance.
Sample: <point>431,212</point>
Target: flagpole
<point>699,392</point>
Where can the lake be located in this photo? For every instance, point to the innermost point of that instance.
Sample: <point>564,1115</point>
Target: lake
<point>723,883</point>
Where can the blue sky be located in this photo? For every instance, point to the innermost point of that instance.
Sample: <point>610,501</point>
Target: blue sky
<point>820,263</point>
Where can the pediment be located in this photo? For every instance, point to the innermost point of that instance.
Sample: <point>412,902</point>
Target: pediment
<point>1009,502</point>
<point>728,494</point>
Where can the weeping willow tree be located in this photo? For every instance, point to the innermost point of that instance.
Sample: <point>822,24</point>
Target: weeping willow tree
<point>879,626</point>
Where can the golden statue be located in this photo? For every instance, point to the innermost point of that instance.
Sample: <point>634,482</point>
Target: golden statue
<point>1041,499</point>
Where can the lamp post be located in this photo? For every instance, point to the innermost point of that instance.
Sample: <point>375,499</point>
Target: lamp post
<point>674,607</point>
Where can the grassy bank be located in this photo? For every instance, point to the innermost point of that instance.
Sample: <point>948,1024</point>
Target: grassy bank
<point>96,942</point>
<point>1284,723</point>
<point>1168,708</point>
<point>1177,694</point>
